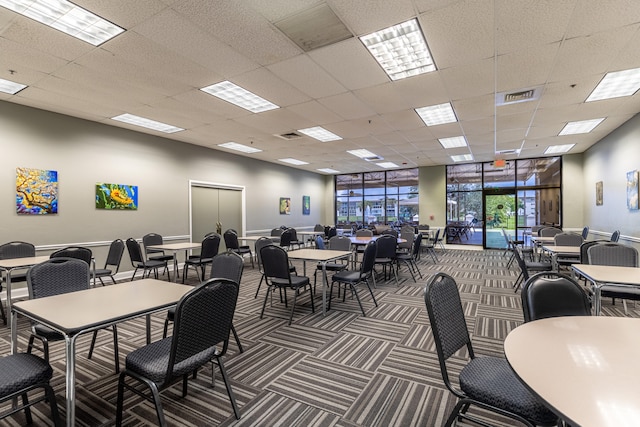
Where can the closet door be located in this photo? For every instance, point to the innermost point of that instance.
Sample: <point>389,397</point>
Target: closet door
<point>210,206</point>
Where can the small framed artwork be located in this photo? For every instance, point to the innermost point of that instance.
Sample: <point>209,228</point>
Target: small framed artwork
<point>599,195</point>
<point>285,206</point>
<point>36,191</point>
<point>116,196</point>
<point>306,205</point>
<point>632,190</point>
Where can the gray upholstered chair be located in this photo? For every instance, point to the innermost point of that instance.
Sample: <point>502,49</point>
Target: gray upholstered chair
<point>410,259</point>
<point>152,239</point>
<point>57,276</point>
<point>386,254</point>
<point>203,319</point>
<point>22,373</point>
<point>615,254</point>
<point>527,267</point>
<point>487,382</point>
<point>231,242</point>
<point>567,239</point>
<point>112,263</point>
<point>15,250</point>
<point>549,231</point>
<point>139,263</point>
<point>615,236</point>
<point>352,278</point>
<point>277,273</point>
<point>552,294</point>
<point>209,249</point>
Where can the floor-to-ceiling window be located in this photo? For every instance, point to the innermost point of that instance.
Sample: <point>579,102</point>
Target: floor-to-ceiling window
<point>516,196</point>
<point>382,197</point>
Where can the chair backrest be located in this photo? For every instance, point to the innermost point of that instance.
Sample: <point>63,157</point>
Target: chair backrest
<point>135,253</point>
<point>446,317</point>
<point>332,232</point>
<point>408,229</point>
<point>386,245</point>
<point>409,236</point>
<point>549,231</point>
<point>568,239</point>
<point>210,246</point>
<point>318,228</point>
<point>76,252</point>
<point>151,239</point>
<point>116,249</point>
<point>551,294</point>
<point>203,319</point>
<point>276,232</point>
<point>585,232</point>
<point>294,234</point>
<point>615,254</point>
<point>57,276</point>
<point>275,262</point>
<point>340,243</point>
<point>320,243</point>
<point>364,232</point>
<point>584,247</point>
<point>615,236</point>
<point>261,243</point>
<point>285,238</point>
<point>227,265</point>
<point>368,259</point>
<point>17,250</point>
<point>390,232</point>
<point>506,238</point>
<point>231,239</point>
<point>521,263</point>
<point>417,244</point>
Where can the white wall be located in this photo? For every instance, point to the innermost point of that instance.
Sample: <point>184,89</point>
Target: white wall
<point>85,153</point>
<point>572,192</point>
<point>609,161</point>
<point>432,182</point>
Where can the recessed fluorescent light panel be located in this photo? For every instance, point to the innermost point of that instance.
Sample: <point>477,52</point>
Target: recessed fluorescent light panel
<point>401,50</point>
<point>239,147</point>
<point>293,161</point>
<point>66,17</point>
<point>437,114</point>
<point>7,86</point>
<point>363,154</point>
<point>462,158</point>
<point>320,133</point>
<point>241,97</point>
<point>555,149</point>
<point>453,142</point>
<point>616,84</point>
<point>146,123</point>
<point>387,165</point>
<point>583,126</point>
<point>328,170</point>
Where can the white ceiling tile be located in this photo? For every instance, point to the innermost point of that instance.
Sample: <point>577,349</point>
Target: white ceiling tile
<point>375,15</point>
<point>275,121</point>
<point>347,106</point>
<point>469,80</point>
<point>315,112</point>
<point>274,10</point>
<point>526,68</point>
<point>350,64</point>
<point>592,16</point>
<point>264,83</point>
<point>125,16</point>
<point>305,75</point>
<point>383,98</point>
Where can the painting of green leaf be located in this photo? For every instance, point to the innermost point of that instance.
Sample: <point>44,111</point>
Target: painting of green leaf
<point>306,205</point>
<point>36,191</point>
<point>116,196</point>
<point>285,205</point>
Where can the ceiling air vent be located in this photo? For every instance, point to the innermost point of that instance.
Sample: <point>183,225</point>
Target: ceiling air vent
<point>507,152</point>
<point>373,158</point>
<point>289,135</point>
<point>523,95</point>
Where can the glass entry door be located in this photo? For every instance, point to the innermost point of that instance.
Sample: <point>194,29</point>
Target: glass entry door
<point>499,212</point>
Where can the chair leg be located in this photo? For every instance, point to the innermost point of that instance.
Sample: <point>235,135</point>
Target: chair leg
<point>51,398</point>
<point>93,343</point>
<point>120,399</point>
<point>371,292</point>
<point>235,335</point>
<point>259,284</point>
<point>116,350</point>
<point>4,316</point>
<point>227,384</point>
<point>166,327</point>
<point>293,306</point>
<point>355,291</point>
<point>27,408</point>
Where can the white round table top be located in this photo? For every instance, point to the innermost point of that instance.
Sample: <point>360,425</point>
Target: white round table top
<point>585,368</point>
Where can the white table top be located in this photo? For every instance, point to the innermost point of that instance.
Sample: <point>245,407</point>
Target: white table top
<point>75,311</point>
<point>609,273</point>
<point>22,262</point>
<point>563,250</point>
<point>318,254</point>
<point>184,246</point>
<point>364,240</point>
<point>585,368</point>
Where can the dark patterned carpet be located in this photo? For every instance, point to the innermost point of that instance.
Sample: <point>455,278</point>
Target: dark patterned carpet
<point>340,370</point>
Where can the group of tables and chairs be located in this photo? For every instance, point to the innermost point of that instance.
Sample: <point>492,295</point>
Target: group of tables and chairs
<point>64,305</point>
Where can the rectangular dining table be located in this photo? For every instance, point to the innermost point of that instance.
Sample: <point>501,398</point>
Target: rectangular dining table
<point>322,256</point>
<point>11,264</point>
<point>601,275</point>
<point>76,313</point>
<point>561,251</point>
<point>175,248</point>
